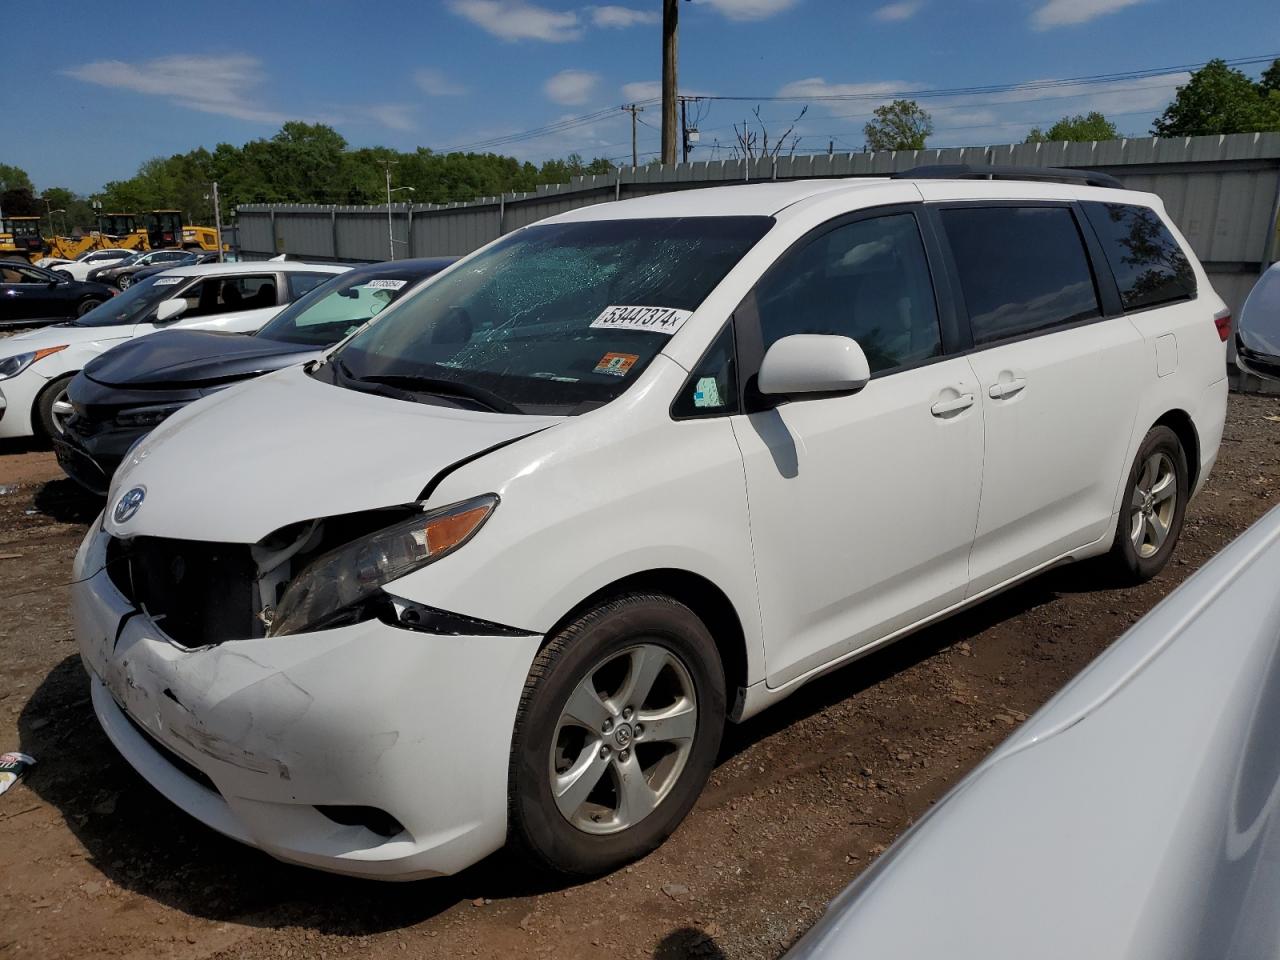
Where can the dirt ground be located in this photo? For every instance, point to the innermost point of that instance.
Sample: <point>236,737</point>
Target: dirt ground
<point>97,864</point>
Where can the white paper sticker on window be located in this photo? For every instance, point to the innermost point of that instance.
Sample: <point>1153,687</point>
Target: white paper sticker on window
<point>385,284</point>
<point>652,319</point>
<point>167,281</point>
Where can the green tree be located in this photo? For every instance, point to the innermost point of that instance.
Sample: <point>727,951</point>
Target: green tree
<point>1083,127</point>
<point>1269,82</point>
<point>1220,99</point>
<point>901,125</point>
<point>14,178</point>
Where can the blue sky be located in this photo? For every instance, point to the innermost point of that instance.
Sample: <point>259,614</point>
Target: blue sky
<point>107,92</point>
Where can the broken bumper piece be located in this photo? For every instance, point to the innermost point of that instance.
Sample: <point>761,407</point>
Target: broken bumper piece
<point>367,750</point>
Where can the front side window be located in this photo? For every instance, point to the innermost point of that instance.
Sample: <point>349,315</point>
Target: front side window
<point>557,318</point>
<point>868,280</point>
<point>304,283</point>
<point>20,274</point>
<point>214,295</point>
<point>1149,266</point>
<point>1022,269</point>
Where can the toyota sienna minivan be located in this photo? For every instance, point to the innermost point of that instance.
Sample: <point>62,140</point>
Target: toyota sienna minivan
<point>498,567</point>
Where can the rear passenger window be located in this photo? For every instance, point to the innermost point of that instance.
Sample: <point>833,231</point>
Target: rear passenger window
<point>868,280</point>
<point>1022,269</point>
<point>1149,266</point>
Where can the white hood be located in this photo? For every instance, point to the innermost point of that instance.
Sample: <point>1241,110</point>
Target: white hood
<point>60,335</point>
<point>285,448</point>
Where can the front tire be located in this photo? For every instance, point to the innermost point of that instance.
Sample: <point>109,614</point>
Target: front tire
<point>53,409</point>
<point>124,281</point>
<point>1151,512</point>
<point>617,731</point>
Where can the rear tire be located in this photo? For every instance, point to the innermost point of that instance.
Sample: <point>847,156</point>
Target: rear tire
<point>1152,509</point>
<point>617,731</point>
<point>53,407</point>
<point>87,305</point>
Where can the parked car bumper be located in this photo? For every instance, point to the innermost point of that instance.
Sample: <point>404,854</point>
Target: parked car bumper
<point>19,394</point>
<point>267,740</point>
<point>91,456</point>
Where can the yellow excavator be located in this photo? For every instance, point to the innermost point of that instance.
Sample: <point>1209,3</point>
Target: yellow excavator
<point>20,239</point>
<point>20,236</point>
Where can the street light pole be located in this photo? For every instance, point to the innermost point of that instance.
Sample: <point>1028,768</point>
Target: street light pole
<point>217,220</point>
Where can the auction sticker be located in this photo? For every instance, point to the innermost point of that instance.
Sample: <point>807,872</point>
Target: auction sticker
<point>652,319</point>
<point>385,284</point>
<point>168,281</point>
<point>616,364</point>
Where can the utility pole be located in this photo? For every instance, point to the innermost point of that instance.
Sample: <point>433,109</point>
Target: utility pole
<point>670,25</point>
<point>217,219</point>
<point>633,110</point>
<point>684,130</point>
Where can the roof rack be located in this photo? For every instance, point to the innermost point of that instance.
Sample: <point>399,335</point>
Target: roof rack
<point>968,171</point>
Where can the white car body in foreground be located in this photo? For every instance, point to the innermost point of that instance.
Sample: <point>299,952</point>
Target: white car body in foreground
<point>806,534</point>
<point>71,346</point>
<point>1137,814</point>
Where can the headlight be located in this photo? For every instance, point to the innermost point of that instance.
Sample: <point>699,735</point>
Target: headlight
<point>147,416</point>
<point>333,584</point>
<point>12,366</point>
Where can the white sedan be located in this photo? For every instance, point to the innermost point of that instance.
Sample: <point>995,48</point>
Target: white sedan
<point>78,269</point>
<point>36,367</point>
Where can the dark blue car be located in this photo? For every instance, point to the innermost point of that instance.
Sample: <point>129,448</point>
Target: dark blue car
<point>123,394</point>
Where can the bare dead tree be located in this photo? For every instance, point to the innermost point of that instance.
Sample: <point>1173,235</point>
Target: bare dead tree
<point>753,144</point>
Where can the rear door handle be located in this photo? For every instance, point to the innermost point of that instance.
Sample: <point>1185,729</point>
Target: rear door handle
<point>944,407</point>
<point>1007,388</point>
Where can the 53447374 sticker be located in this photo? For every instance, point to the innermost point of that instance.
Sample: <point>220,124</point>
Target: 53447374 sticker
<point>665,320</point>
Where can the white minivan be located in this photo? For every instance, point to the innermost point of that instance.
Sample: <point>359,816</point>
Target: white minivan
<point>500,565</point>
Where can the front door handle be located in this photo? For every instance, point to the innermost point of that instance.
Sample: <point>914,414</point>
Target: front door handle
<point>946,407</point>
<point>1007,388</point>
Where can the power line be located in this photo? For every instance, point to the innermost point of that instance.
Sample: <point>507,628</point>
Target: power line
<point>570,123</point>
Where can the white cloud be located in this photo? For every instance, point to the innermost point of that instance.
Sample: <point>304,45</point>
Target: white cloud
<point>227,86</point>
<point>517,20</point>
<point>394,116</point>
<point>860,95</point>
<point>895,12</point>
<point>434,83</point>
<point>641,90</point>
<point>652,90</point>
<point>1064,13</point>
<point>751,9</point>
<point>571,87</point>
<point>621,17</point>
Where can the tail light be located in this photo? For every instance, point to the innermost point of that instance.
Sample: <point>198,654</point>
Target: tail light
<point>1222,320</point>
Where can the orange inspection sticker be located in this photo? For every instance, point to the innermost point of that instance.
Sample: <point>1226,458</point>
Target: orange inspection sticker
<point>616,364</point>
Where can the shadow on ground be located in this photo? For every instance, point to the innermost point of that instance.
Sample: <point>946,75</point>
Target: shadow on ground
<point>67,502</point>
<point>144,844</point>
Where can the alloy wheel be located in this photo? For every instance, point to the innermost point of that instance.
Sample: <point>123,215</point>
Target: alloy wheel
<point>1154,504</point>
<point>623,739</point>
<point>61,410</point>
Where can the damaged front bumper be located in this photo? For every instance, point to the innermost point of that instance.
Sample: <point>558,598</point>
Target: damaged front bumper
<point>367,750</point>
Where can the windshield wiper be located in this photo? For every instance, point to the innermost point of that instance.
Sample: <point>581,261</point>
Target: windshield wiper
<point>442,388</point>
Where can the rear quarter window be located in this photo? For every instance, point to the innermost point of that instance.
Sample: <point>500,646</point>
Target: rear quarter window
<point>1149,266</point>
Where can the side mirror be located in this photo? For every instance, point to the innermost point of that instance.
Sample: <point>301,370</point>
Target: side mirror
<point>1258,334</point>
<point>170,310</point>
<point>812,363</point>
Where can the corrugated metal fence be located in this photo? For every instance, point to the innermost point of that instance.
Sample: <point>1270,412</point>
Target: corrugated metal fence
<point>1222,191</point>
